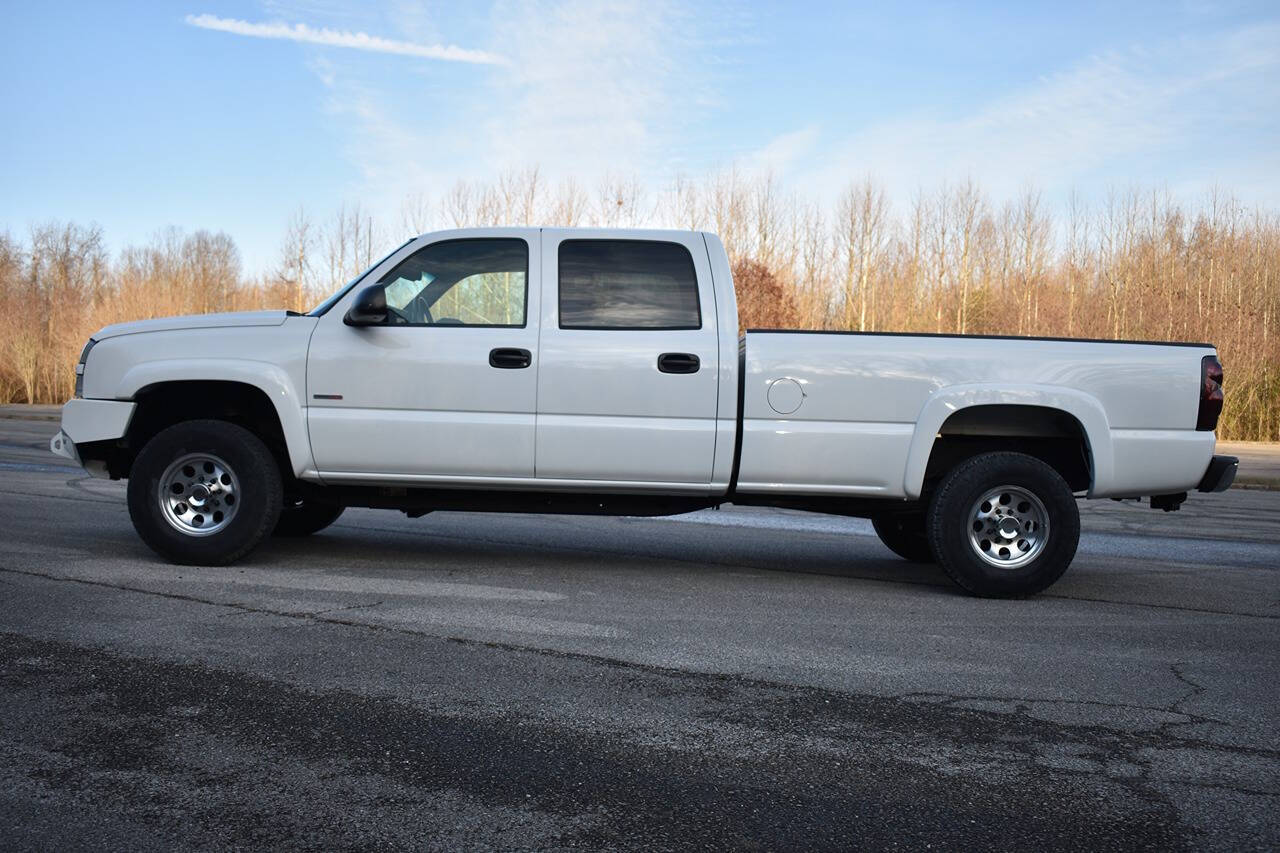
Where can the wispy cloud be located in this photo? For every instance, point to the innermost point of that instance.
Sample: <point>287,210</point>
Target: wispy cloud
<point>595,87</point>
<point>1159,111</point>
<point>342,38</point>
<point>782,153</point>
<point>589,89</point>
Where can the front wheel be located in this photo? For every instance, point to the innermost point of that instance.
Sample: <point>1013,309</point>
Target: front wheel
<point>204,493</point>
<point>1004,525</point>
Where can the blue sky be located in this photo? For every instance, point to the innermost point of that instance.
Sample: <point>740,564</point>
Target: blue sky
<point>228,116</point>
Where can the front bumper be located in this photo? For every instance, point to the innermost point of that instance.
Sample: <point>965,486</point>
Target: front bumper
<point>62,445</point>
<point>1220,474</point>
<point>87,421</point>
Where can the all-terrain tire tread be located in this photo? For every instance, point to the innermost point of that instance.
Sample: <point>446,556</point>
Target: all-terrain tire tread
<point>1065,528</point>
<point>261,473</point>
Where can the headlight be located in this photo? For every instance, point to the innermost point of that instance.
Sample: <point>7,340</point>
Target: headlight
<point>84,357</point>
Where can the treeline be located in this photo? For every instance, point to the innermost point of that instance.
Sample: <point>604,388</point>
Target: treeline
<point>1138,265</point>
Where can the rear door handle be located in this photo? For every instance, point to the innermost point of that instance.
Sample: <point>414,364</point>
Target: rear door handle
<point>678,362</point>
<point>509,358</point>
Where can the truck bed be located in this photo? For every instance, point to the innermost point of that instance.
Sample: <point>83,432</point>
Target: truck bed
<point>857,413</point>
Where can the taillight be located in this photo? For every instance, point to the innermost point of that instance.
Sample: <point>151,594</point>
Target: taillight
<point>1210,393</point>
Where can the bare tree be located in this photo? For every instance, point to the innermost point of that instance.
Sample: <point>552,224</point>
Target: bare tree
<point>1034,232</point>
<point>212,262</point>
<point>619,202</point>
<point>814,261</point>
<point>296,269</point>
<point>517,192</point>
<point>684,205</point>
<point>766,219</point>
<point>569,206</point>
<point>861,212</point>
<point>1077,254</point>
<point>459,205</point>
<point>68,267</point>
<point>349,244</point>
<point>415,213</point>
<point>728,205</point>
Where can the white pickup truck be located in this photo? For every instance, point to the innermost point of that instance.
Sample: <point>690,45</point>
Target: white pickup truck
<point>602,371</point>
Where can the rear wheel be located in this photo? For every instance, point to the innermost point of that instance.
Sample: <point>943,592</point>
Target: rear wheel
<point>905,535</point>
<point>1004,525</point>
<point>204,492</point>
<point>304,517</point>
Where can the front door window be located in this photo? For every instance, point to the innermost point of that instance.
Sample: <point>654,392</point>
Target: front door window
<point>461,283</point>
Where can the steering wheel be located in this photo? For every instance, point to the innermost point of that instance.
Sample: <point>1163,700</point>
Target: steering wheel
<point>417,311</point>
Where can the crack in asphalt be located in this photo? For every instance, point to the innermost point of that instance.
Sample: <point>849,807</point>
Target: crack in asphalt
<point>1179,607</point>
<point>1196,689</point>
<point>78,484</point>
<point>348,607</point>
<point>1024,705</point>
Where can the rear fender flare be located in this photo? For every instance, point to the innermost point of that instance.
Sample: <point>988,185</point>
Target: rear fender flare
<point>945,402</point>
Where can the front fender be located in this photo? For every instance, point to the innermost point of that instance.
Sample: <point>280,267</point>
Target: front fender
<point>266,377</point>
<point>945,402</point>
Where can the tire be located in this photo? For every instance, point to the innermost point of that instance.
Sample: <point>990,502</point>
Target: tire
<point>204,493</point>
<point>1022,510</point>
<point>905,535</point>
<point>303,517</point>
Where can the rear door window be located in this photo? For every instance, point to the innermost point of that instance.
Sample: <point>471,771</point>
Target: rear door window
<point>627,284</point>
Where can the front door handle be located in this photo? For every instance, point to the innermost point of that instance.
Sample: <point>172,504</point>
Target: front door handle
<point>678,362</point>
<point>509,358</point>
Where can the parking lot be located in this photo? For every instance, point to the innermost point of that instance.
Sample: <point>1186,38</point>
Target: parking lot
<point>733,678</point>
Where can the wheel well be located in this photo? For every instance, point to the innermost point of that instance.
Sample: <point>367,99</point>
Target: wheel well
<point>166,403</point>
<point>1051,435</point>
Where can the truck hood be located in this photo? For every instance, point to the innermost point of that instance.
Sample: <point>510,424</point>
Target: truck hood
<point>196,321</point>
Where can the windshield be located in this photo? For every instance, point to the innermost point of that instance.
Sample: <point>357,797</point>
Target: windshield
<point>320,309</point>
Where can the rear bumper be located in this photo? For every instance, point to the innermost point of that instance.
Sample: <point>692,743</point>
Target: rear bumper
<point>1220,474</point>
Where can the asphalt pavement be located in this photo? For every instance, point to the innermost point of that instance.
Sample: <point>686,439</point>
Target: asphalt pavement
<point>727,679</point>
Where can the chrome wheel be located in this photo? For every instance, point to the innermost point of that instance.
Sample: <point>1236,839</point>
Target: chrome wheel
<point>199,494</point>
<point>1008,527</point>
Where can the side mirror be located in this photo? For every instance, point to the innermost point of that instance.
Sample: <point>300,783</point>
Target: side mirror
<point>369,309</point>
